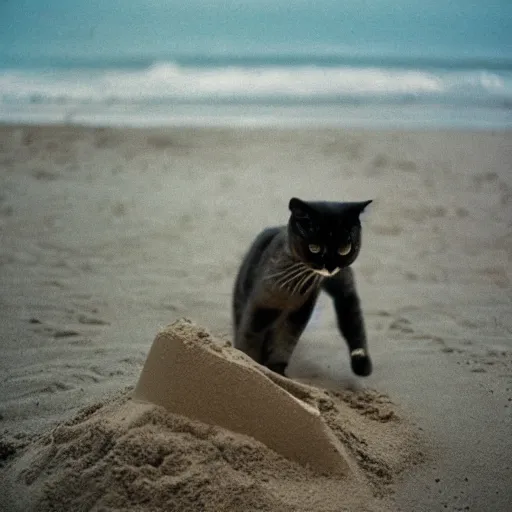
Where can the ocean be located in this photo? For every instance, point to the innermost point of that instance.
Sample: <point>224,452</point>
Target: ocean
<point>377,63</point>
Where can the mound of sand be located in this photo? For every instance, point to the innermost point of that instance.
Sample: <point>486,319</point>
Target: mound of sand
<point>220,433</point>
<point>224,387</point>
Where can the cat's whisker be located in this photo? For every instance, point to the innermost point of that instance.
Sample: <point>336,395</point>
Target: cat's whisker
<point>284,284</point>
<point>294,266</point>
<point>291,273</point>
<point>316,280</point>
<point>303,282</point>
<point>298,284</point>
<point>288,267</point>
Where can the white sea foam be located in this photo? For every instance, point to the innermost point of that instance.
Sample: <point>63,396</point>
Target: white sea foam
<point>168,82</point>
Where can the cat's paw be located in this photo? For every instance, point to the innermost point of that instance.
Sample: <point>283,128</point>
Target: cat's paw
<point>360,362</point>
<point>279,368</point>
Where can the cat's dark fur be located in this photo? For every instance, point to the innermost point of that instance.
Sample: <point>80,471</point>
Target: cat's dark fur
<point>280,279</point>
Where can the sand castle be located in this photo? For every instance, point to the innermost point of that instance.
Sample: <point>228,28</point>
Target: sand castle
<point>188,374</point>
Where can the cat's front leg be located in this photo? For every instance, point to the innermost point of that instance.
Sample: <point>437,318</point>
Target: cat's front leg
<point>282,340</point>
<point>254,330</point>
<point>342,289</point>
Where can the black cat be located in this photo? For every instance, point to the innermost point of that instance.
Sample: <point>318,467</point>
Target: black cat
<point>282,274</point>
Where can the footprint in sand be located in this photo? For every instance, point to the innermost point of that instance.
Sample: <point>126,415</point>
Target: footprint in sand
<point>90,320</point>
<point>406,165</point>
<point>65,333</point>
<point>44,175</point>
<point>56,332</point>
<point>401,324</point>
<point>41,328</point>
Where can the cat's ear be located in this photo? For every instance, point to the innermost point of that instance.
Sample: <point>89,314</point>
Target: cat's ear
<point>299,209</point>
<point>362,205</point>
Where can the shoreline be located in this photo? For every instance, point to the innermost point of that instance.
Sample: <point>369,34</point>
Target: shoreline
<point>406,116</point>
<point>248,128</point>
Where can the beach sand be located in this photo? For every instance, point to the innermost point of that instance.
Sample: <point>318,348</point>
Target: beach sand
<point>109,235</point>
<point>208,429</point>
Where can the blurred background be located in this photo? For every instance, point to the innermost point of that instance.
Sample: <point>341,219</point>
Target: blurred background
<point>373,63</point>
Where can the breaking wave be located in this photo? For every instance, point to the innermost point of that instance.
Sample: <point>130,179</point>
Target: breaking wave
<point>169,82</point>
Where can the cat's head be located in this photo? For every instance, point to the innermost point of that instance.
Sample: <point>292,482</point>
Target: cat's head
<point>325,235</point>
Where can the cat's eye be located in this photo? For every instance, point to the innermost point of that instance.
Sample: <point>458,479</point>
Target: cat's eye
<point>343,251</point>
<point>314,248</point>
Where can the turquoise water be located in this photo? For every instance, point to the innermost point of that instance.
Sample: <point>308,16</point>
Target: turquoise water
<point>366,63</point>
